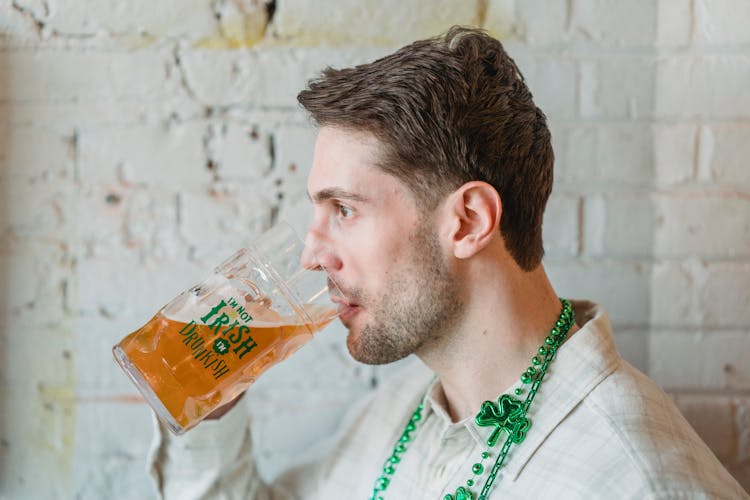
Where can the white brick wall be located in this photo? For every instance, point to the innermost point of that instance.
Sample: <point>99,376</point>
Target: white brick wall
<point>142,142</point>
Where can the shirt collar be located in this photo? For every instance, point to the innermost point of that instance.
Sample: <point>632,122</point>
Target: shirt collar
<point>582,362</point>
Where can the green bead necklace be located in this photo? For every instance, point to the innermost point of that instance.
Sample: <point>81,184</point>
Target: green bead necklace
<point>508,414</point>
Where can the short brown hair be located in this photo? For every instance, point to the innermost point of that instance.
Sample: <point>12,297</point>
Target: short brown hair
<point>450,110</point>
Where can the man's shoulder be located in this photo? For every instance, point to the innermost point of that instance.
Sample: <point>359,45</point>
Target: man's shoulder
<point>633,426</point>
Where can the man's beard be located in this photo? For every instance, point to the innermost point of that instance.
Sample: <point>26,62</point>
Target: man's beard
<point>417,307</point>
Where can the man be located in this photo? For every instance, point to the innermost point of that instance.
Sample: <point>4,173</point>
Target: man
<point>431,172</point>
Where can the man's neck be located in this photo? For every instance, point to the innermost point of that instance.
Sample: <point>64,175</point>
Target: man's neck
<point>506,319</point>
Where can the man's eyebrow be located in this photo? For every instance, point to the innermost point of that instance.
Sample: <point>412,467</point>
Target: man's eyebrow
<point>338,193</point>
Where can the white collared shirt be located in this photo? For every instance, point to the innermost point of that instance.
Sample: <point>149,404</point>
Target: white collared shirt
<point>599,429</point>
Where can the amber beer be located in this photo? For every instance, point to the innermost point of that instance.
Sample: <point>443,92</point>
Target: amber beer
<point>211,342</point>
<point>195,367</point>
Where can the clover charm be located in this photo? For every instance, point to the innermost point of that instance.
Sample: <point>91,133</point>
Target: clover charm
<point>461,494</point>
<point>506,415</point>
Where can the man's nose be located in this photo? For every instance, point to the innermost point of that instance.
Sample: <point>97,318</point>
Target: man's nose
<point>318,254</point>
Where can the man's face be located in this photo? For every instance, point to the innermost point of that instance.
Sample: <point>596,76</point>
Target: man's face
<point>398,294</point>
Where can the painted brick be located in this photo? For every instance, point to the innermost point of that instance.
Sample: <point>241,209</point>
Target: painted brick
<point>160,155</point>
<point>721,22</point>
<point>37,153</point>
<point>716,360</point>
<point>83,76</point>
<point>16,28</point>
<point>725,295</point>
<point>686,86</point>
<point>673,292</point>
<point>225,78</point>
<point>686,225</point>
<point>389,22</point>
<point>633,347</point>
<point>727,153</point>
<point>114,435</point>
<point>66,116</point>
<point>621,287</point>
<point>298,213</point>
<point>561,227</point>
<point>40,272</point>
<point>217,223</point>
<point>136,288</point>
<point>37,208</point>
<point>575,149</point>
<point>618,225</point>
<point>98,377</point>
<point>603,154</point>
<point>535,23</point>
<point>136,18</point>
<point>609,22</point>
<point>712,418</point>
<point>623,88</point>
<point>151,224</point>
<point>502,21</point>
<point>25,344</point>
<point>674,153</point>
<point>552,82</point>
<point>294,146</point>
<point>101,207</point>
<point>624,154</point>
<point>39,429</point>
<point>588,88</point>
<point>239,151</point>
<point>674,20</point>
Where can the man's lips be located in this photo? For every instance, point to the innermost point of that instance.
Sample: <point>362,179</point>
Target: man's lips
<point>346,309</point>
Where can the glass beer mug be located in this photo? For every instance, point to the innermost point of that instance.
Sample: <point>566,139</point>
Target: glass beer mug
<point>211,342</point>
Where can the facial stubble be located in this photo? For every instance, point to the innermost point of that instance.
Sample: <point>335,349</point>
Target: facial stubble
<point>416,309</point>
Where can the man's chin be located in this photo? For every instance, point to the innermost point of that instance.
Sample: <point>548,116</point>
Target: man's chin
<point>369,353</point>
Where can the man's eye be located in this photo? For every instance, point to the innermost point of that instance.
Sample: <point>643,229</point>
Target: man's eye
<point>345,211</point>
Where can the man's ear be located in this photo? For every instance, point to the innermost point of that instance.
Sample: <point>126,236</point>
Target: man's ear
<point>474,210</point>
